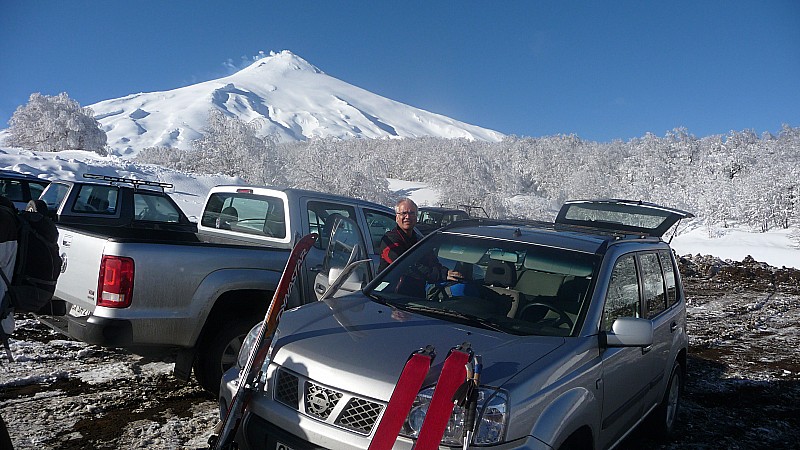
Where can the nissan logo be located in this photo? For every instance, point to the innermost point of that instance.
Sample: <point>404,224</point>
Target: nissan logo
<point>318,402</point>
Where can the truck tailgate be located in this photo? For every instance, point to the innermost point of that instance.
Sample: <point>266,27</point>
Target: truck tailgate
<point>82,253</point>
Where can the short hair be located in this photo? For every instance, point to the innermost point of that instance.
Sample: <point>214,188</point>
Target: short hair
<point>404,200</point>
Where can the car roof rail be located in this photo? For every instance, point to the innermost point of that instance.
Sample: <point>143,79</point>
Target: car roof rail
<point>612,236</point>
<point>136,183</point>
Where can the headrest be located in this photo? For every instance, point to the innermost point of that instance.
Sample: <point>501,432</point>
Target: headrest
<point>500,273</point>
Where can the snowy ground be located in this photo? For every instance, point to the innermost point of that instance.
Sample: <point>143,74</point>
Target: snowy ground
<point>743,390</point>
<point>744,387</point>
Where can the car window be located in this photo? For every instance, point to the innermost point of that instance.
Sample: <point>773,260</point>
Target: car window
<point>154,208</point>
<point>322,215</point>
<point>54,195</point>
<point>96,199</point>
<point>504,285</point>
<point>246,213</point>
<point>669,277</point>
<point>622,298</point>
<point>379,224</point>
<point>652,284</point>
<point>36,189</point>
<point>11,189</point>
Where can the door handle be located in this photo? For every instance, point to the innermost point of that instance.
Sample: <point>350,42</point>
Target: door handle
<point>316,269</point>
<point>673,326</point>
<point>647,349</point>
<point>319,288</point>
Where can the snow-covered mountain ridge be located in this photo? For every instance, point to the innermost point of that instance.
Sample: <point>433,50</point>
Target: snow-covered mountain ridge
<point>285,95</point>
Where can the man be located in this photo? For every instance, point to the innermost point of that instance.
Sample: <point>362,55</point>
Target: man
<point>398,240</point>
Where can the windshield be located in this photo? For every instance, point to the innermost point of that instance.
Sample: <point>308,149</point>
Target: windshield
<point>514,287</point>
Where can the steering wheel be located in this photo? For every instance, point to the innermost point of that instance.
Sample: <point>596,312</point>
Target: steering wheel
<point>438,291</point>
<point>563,317</point>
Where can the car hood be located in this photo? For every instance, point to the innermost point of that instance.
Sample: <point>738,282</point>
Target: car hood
<point>359,345</point>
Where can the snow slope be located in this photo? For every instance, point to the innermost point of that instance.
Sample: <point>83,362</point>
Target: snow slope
<point>285,95</point>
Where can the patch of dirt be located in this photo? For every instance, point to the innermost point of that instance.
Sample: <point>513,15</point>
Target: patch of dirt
<point>742,391</point>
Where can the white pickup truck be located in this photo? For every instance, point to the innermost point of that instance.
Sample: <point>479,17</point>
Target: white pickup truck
<point>138,274</point>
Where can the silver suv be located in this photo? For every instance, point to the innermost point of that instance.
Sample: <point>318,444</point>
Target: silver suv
<point>580,325</point>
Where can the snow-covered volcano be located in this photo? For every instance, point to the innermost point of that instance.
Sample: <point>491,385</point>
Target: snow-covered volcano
<point>285,95</point>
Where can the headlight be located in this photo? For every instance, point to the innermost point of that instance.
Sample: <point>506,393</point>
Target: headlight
<point>247,345</point>
<point>491,418</point>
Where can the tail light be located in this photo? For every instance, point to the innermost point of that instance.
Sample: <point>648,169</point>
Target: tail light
<point>115,283</point>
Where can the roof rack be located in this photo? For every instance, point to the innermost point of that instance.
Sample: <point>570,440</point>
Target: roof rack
<point>136,183</point>
<point>614,235</point>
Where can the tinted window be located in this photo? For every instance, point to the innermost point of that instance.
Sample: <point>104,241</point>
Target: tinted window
<point>36,189</point>
<point>12,189</point>
<point>622,298</point>
<point>96,199</point>
<point>154,208</point>
<point>669,277</point>
<point>652,284</point>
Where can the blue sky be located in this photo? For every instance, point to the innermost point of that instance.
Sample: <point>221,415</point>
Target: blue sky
<point>600,70</point>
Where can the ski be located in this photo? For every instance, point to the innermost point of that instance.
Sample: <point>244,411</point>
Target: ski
<point>251,372</point>
<point>405,391</point>
<point>453,374</point>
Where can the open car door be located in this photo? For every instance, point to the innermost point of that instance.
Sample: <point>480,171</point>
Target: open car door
<point>346,246</point>
<point>621,215</point>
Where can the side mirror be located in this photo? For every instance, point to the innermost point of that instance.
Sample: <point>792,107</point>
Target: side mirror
<point>350,279</point>
<point>629,332</point>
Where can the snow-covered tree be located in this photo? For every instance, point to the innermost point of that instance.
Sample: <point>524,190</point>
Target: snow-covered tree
<point>231,147</point>
<point>55,123</point>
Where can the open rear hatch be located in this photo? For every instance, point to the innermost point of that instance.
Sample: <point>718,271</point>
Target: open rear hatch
<point>621,215</point>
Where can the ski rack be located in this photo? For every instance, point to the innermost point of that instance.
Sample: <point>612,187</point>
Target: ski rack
<point>136,183</point>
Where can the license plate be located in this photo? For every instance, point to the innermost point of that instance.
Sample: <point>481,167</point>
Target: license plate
<point>282,446</point>
<point>77,311</point>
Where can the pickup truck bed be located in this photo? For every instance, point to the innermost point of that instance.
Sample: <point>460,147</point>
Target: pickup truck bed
<point>179,287</point>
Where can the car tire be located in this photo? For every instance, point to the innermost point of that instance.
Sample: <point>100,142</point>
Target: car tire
<point>665,416</point>
<point>218,353</point>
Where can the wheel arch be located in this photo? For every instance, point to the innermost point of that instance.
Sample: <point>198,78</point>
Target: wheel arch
<point>568,418</point>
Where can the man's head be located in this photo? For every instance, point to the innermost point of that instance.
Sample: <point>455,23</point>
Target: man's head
<point>406,214</point>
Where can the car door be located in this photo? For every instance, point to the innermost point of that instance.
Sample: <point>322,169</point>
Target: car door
<point>319,217</point>
<point>346,245</point>
<point>655,305</point>
<point>623,386</point>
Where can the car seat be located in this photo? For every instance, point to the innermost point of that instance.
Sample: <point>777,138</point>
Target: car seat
<point>228,215</point>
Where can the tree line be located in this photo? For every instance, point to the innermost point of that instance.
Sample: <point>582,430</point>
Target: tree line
<point>741,178</point>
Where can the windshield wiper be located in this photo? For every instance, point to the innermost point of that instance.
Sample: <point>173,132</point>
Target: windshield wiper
<point>377,298</point>
<point>444,312</point>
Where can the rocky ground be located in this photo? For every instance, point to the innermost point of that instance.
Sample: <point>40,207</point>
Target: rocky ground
<point>743,390</point>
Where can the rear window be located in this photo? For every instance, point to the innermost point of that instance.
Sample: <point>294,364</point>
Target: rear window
<point>246,213</point>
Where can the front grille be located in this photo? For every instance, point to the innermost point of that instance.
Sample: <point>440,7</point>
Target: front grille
<point>360,415</point>
<point>320,401</point>
<point>286,389</point>
<point>325,403</point>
